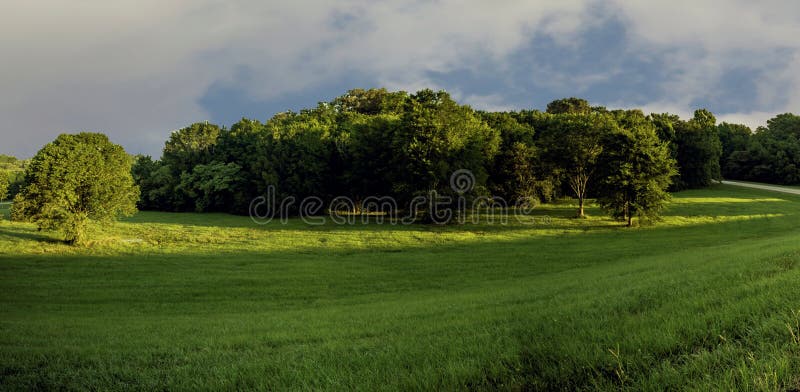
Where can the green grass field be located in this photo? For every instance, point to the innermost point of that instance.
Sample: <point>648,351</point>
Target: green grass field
<point>707,299</point>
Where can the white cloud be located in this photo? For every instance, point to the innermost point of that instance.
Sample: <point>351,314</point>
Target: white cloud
<point>707,38</point>
<point>136,68</point>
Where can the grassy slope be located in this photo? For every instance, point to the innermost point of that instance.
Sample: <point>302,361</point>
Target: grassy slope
<point>703,300</point>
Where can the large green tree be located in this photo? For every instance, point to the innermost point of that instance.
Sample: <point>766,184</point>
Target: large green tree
<point>212,186</point>
<point>733,138</point>
<point>246,144</point>
<point>571,145</point>
<point>636,169</point>
<point>514,173</point>
<point>436,137</point>
<point>369,157</point>
<point>698,151</point>
<point>75,180</point>
<point>295,153</point>
<point>190,146</point>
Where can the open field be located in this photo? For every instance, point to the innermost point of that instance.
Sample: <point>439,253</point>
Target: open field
<point>707,299</point>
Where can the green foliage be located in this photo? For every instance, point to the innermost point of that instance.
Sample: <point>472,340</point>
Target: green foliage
<point>698,151</point>
<point>190,146</point>
<point>516,171</point>
<point>370,159</point>
<point>379,143</point>
<point>733,138</point>
<point>4,180</point>
<point>246,145</point>
<point>297,154</point>
<point>74,180</point>
<point>10,164</point>
<point>370,102</point>
<point>12,170</point>
<point>212,186</point>
<point>571,144</point>
<point>636,169</point>
<point>771,154</point>
<point>569,106</point>
<point>435,138</point>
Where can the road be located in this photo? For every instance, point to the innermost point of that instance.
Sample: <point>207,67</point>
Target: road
<point>767,187</point>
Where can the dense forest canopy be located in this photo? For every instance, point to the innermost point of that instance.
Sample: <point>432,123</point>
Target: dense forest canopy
<point>374,142</point>
<point>381,143</point>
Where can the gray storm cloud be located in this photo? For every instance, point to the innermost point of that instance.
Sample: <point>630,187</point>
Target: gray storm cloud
<point>136,69</point>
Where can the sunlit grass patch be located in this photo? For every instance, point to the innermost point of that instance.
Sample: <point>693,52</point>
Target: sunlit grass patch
<point>702,300</point>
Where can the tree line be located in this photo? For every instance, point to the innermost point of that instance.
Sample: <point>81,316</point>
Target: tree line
<point>770,154</point>
<point>380,143</point>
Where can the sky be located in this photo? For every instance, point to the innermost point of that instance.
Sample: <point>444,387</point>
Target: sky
<point>138,69</point>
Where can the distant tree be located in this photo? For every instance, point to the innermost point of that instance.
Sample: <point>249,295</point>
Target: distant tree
<point>296,153</point>
<point>370,102</point>
<point>571,145</point>
<point>3,184</point>
<point>785,126</point>
<point>186,148</point>
<point>191,146</point>
<point>156,182</point>
<point>569,105</point>
<point>733,138</point>
<point>370,169</point>
<point>212,187</point>
<point>436,137</point>
<point>246,145</point>
<point>775,152</point>
<point>636,169</point>
<point>698,151</point>
<point>74,180</point>
<point>513,173</point>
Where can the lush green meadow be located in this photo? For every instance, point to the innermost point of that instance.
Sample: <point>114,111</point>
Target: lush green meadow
<point>707,299</point>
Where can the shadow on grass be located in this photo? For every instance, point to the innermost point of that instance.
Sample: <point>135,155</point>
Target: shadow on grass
<point>28,234</point>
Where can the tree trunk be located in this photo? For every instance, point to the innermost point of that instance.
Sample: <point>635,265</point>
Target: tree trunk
<point>628,214</point>
<point>580,207</point>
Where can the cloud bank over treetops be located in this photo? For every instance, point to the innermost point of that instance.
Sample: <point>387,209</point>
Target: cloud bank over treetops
<point>138,69</point>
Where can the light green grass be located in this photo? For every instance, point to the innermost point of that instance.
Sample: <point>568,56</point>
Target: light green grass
<point>707,299</point>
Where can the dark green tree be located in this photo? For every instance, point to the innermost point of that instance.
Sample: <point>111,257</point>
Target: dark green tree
<point>190,146</point>
<point>513,175</point>
<point>733,138</point>
<point>569,105</point>
<point>296,153</point>
<point>370,159</point>
<point>636,169</point>
<point>246,144</point>
<point>698,151</point>
<point>75,180</point>
<point>571,145</point>
<point>211,186</point>
<point>436,137</point>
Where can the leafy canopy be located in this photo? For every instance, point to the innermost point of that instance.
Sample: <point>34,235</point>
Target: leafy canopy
<point>74,180</point>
